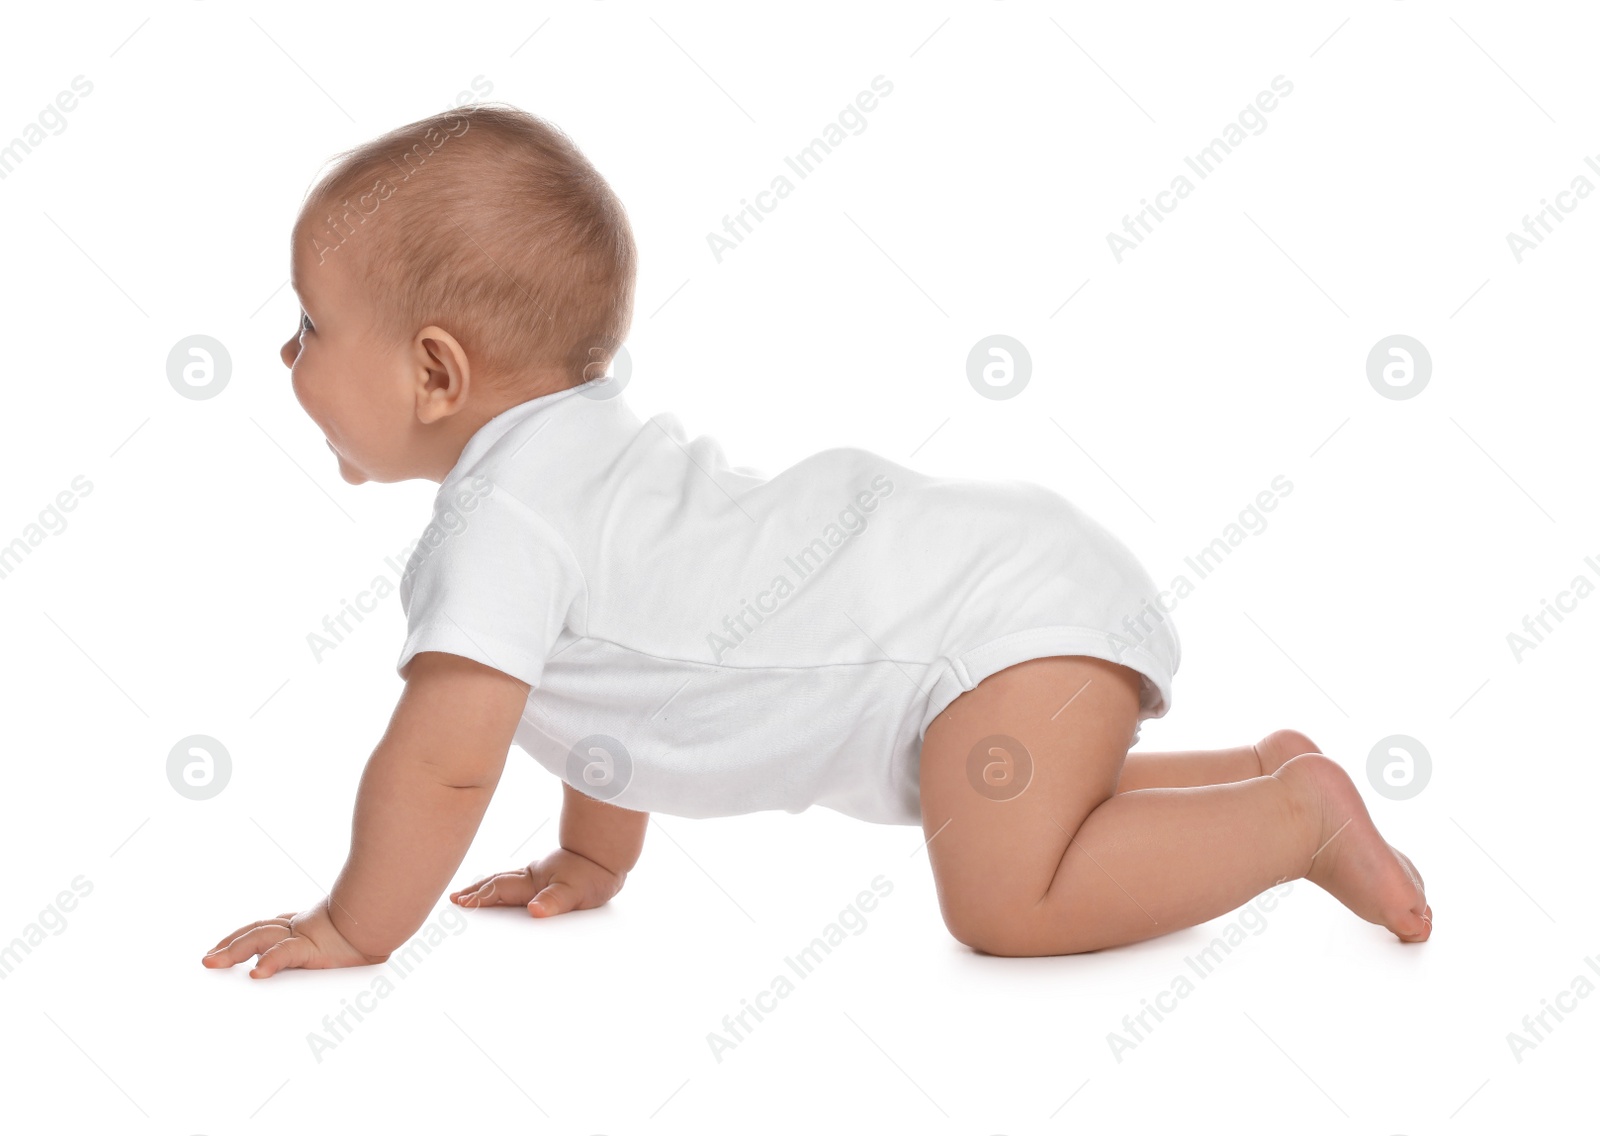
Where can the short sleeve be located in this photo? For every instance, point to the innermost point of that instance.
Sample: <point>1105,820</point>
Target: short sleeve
<point>490,579</point>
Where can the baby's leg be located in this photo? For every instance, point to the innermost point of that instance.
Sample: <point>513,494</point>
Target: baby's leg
<point>1178,769</point>
<point>1068,864</point>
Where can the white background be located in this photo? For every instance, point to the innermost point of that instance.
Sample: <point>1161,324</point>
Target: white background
<point>1174,386</point>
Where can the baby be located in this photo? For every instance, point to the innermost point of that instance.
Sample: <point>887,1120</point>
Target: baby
<point>669,633</point>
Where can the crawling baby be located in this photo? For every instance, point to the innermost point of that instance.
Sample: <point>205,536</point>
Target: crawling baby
<point>669,633</point>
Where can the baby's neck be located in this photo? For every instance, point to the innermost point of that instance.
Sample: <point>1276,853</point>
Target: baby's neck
<point>442,442</point>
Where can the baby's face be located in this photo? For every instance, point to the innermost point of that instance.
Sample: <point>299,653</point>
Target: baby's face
<point>358,391</point>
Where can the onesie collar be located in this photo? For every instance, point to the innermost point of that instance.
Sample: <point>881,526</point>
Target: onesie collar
<point>522,415</point>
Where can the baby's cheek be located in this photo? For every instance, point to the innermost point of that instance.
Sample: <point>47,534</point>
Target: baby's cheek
<point>298,383</point>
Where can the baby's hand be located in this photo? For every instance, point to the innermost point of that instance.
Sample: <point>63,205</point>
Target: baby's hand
<point>562,881</point>
<point>308,940</point>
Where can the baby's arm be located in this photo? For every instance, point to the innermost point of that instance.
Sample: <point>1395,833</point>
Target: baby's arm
<point>600,843</point>
<point>422,795</point>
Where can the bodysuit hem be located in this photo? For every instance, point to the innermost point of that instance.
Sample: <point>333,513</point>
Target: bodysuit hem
<point>970,667</point>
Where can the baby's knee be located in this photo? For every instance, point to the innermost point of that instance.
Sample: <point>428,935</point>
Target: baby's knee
<point>1292,742</point>
<point>1282,746</point>
<point>1009,932</point>
<point>982,931</point>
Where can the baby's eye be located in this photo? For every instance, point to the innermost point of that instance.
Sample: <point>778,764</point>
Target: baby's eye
<point>305,323</point>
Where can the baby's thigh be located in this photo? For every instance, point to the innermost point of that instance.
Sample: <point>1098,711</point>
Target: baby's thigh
<point>1009,771</point>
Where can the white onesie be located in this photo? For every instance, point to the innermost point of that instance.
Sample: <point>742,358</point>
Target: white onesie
<point>702,640</point>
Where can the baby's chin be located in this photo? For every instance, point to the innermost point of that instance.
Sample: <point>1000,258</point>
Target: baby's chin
<point>350,473</point>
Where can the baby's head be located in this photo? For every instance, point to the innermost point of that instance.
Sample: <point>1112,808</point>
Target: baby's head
<point>448,270</point>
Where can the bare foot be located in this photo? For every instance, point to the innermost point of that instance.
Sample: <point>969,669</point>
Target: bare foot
<point>1352,861</point>
<point>1281,746</point>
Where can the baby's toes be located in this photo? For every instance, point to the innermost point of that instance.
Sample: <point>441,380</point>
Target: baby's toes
<point>1415,927</point>
<point>1417,923</point>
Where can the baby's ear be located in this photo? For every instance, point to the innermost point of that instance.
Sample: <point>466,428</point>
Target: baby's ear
<point>442,375</point>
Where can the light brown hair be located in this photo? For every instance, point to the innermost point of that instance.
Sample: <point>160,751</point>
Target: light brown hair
<point>490,223</point>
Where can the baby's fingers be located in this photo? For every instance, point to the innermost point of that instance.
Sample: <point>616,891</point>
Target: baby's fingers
<point>280,921</point>
<point>252,941</point>
<point>291,952</point>
<point>503,888</point>
<point>554,900</point>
